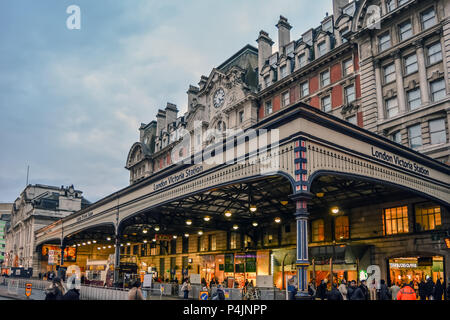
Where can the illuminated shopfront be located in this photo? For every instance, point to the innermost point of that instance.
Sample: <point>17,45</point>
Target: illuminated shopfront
<point>405,270</point>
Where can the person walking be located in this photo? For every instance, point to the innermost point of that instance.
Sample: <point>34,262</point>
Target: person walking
<point>343,289</point>
<point>385,294</point>
<point>373,290</point>
<point>438,290</point>
<point>135,293</point>
<point>186,287</point>
<point>351,289</point>
<point>361,292</point>
<point>394,289</point>
<point>55,291</point>
<point>334,294</point>
<point>407,292</point>
<point>322,290</point>
<point>422,290</point>
<point>220,293</point>
<point>312,290</point>
<point>73,293</point>
<point>429,288</point>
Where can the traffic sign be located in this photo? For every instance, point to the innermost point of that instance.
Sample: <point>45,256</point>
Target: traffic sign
<point>28,287</point>
<point>204,295</point>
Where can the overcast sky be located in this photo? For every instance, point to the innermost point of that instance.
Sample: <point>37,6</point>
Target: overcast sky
<point>71,101</point>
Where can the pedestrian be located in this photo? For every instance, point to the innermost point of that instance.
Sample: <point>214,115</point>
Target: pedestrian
<point>73,293</point>
<point>186,287</point>
<point>343,289</point>
<point>312,290</point>
<point>373,290</point>
<point>407,292</point>
<point>219,295</point>
<point>394,289</point>
<point>212,283</point>
<point>438,290</point>
<point>429,288</point>
<point>135,293</point>
<point>55,291</point>
<point>322,290</point>
<point>422,290</point>
<point>361,292</point>
<point>385,294</point>
<point>334,294</point>
<point>351,289</point>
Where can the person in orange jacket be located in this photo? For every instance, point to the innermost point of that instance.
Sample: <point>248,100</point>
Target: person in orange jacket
<point>407,293</point>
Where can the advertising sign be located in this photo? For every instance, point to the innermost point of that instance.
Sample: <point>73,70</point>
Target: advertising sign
<point>70,253</point>
<point>147,283</point>
<point>195,278</point>
<point>53,257</point>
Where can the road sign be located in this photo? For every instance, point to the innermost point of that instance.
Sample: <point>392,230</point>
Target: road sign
<point>203,295</point>
<point>28,287</point>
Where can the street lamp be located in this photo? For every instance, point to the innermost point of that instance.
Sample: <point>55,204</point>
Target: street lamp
<point>145,241</point>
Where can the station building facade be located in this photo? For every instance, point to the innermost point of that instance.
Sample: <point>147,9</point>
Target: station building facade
<point>349,191</point>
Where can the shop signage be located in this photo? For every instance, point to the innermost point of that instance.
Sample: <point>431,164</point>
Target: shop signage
<point>195,278</point>
<point>70,253</point>
<point>53,257</point>
<point>84,216</point>
<point>400,162</point>
<point>447,242</point>
<point>402,265</point>
<point>203,295</point>
<point>178,177</point>
<point>163,237</point>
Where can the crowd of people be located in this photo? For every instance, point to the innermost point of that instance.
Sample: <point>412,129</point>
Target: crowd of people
<point>426,290</point>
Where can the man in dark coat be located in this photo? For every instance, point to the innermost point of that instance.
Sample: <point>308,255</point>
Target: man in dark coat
<point>422,290</point>
<point>322,290</point>
<point>73,293</point>
<point>438,290</point>
<point>385,294</point>
<point>361,293</point>
<point>351,289</point>
<point>334,294</point>
<point>429,288</point>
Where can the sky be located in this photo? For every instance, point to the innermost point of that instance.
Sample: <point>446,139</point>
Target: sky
<point>71,101</point>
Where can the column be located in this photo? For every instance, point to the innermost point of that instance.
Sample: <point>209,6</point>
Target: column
<point>424,94</point>
<point>400,86</point>
<point>116,259</point>
<point>302,261</point>
<point>379,90</point>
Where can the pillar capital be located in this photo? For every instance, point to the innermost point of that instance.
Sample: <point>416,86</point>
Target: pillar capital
<point>305,196</point>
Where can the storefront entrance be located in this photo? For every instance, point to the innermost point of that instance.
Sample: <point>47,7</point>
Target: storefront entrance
<point>405,270</point>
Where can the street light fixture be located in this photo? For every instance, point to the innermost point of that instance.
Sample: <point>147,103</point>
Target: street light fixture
<point>157,228</point>
<point>154,240</point>
<point>174,236</point>
<point>88,242</point>
<point>207,218</point>
<point>94,241</point>
<point>144,231</point>
<point>252,208</point>
<point>128,243</point>
<point>228,213</point>
<point>108,239</point>
<point>200,232</point>
<point>145,241</point>
<point>188,222</point>
<point>186,235</point>
<point>255,224</point>
<point>235,227</point>
<point>277,219</point>
<point>335,210</point>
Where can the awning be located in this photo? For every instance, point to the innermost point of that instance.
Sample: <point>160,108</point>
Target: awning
<point>341,254</point>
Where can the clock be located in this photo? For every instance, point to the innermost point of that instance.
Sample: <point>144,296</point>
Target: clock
<point>219,98</point>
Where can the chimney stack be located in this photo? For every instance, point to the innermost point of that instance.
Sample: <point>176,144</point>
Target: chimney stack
<point>284,32</point>
<point>264,51</point>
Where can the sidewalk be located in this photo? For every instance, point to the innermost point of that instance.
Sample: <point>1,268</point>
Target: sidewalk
<point>35,294</point>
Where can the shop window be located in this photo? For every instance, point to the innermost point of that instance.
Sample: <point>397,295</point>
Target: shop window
<point>428,217</point>
<point>318,230</point>
<point>143,250</point>
<point>135,249</point>
<point>395,220</point>
<point>437,131</point>
<point>128,250</point>
<point>287,228</point>
<point>203,243</point>
<point>341,228</point>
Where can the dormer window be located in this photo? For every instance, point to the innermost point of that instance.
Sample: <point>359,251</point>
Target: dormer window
<point>307,38</point>
<point>322,48</point>
<point>328,26</point>
<point>302,60</point>
<point>290,49</point>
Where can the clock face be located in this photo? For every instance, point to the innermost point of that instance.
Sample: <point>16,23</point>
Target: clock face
<point>219,98</point>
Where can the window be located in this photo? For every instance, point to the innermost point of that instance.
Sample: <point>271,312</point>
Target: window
<point>266,81</point>
<point>414,100</point>
<point>391,107</point>
<point>268,107</point>
<point>353,120</point>
<point>415,136</point>
<point>402,2</point>
<point>348,67</point>
<point>326,103</point>
<point>390,4</point>
<point>185,245</point>
<point>389,73</point>
<point>318,230</point>
<point>428,18</point>
<point>302,60</point>
<point>173,246</point>
<point>328,26</point>
<point>428,217</point>
<point>341,228</point>
<point>322,48</point>
<point>342,33</point>
<point>437,131</point>
<point>241,116</point>
<point>304,89</point>
<point>405,30</point>
<point>397,137</point>
<point>411,65</point>
<point>325,78</point>
<point>349,93</point>
<point>283,71</point>
<point>438,90</point>
<point>233,240</point>
<point>203,243</point>
<point>434,53</point>
<point>212,242</point>
<point>395,220</point>
<point>286,99</point>
<point>384,42</point>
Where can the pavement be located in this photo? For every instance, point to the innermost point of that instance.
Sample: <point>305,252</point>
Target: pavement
<point>19,294</point>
